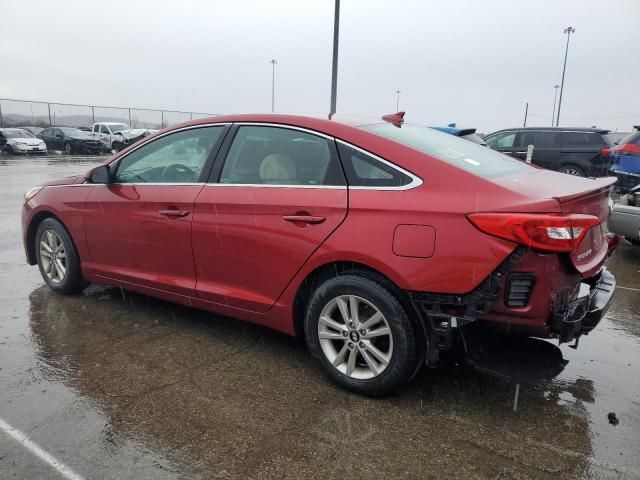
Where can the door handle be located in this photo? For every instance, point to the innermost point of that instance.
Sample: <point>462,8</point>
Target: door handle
<point>173,213</point>
<point>310,219</point>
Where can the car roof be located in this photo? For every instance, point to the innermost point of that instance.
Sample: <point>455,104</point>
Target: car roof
<point>559,129</point>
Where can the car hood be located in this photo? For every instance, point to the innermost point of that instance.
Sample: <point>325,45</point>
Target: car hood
<point>27,141</point>
<point>65,181</point>
<point>135,132</point>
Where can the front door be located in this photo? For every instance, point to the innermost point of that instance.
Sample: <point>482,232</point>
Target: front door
<point>138,227</point>
<point>279,194</point>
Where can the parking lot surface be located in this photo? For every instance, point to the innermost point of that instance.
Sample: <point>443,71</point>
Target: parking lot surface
<point>110,384</point>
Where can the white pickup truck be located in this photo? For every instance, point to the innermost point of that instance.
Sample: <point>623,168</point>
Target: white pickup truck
<point>117,136</point>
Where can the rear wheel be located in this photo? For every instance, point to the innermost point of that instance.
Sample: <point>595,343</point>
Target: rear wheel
<point>574,170</point>
<point>58,258</point>
<point>361,335</point>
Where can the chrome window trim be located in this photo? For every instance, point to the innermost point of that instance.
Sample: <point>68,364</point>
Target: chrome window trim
<point>272,185</point>
<point>415,180</point>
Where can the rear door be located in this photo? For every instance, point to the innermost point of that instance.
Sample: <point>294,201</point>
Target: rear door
<point>546,147</point>
<point>276,195</point>
<point>138,227</point>
<point>582,154</point>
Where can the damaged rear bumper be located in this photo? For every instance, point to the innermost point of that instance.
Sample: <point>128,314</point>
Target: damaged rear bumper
<point>580,316</point>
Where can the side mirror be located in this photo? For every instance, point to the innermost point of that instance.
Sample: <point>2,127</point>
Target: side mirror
<point>100,175</point>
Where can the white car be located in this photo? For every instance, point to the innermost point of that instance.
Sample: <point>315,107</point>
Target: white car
<point>117,136</point>
<point>16,140</point>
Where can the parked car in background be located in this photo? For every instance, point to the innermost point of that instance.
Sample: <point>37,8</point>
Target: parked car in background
<point>35,131</point>
<point>71,140</point>
<point>583,152</point>
<point>625,217</point>
<point>625,160</point>
<point>324,228</point>
<point>19,141</point>
<point>117,136</point>
<point>466,133</point>
<point>85,129</point>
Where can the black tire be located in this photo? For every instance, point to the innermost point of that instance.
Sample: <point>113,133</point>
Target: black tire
<point>571,169</point>
<point>116,146</point>
<point>72,281</point>
<point>8,150</point>
<point>68,148</point>
<point>634,241</point>
<point>405,352</point>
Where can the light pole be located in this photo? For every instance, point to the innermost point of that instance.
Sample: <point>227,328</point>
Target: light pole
<point>398,92</point>
<point>568,31</point>
<point>555,97</point>
<point>273,63</point>
<point>334,67</point>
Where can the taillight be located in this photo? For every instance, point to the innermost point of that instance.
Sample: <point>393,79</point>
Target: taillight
<point>606,151</point>
<point>628,148</point>
<point>550,232</point>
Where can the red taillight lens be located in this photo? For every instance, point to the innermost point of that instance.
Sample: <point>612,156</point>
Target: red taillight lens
<point>606,151</point>
<point>628,148</point>
<point>553,233</point>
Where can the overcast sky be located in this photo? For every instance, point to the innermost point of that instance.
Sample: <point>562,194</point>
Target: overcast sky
<point>471,62</point>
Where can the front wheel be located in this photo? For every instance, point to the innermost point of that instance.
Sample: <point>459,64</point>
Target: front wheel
<point>58,258</point>
<point>68,149</point>
<point>361,335</point>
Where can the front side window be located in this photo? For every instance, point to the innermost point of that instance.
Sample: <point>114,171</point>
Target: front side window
<point>363,170</point>
<point>469,156</point>
<point>175,158</point>
<point>502,140</point>
<point>104,129</point>
<point>280,156</point>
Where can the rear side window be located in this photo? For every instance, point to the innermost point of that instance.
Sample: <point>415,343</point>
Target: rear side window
<point>541,139</point>
<point>281,156</point>
<point>469,156</point>
<point>364,170</point>
<point>582,139</point>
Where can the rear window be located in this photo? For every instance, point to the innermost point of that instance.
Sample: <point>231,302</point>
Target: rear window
<point>469,156</point>
<point>633,138</point>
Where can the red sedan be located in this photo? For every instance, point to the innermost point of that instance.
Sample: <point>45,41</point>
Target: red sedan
<point>382,243</point>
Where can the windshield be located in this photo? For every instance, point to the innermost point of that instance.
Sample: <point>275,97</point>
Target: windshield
<point>17,134</point>
<point>475,138</point>
<point>74,132</point>
<point>469,156</point>
<point>118,127</point>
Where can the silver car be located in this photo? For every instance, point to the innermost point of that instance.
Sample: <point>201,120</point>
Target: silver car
<point>16,140</point>
<point>625,216</point>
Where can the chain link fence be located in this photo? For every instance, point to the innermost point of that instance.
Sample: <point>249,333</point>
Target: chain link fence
<point>28,113</point>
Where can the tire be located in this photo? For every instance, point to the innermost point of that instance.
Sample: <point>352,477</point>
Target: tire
<point>574,170</point>
<point>68,149</point>
<point>116,146</point>
<point>634,241</point>
<point>399,347</point>
<point>51,233</point>
<point>8,150</point>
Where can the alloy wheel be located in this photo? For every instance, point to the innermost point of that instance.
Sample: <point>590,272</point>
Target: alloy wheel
<point>53,256</point>
<point>355,337</point>
<point>572,171</point>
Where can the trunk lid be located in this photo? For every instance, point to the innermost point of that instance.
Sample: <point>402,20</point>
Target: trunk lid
<point>575,195</point>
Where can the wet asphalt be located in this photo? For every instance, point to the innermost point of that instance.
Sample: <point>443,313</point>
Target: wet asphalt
<point>115,385</point>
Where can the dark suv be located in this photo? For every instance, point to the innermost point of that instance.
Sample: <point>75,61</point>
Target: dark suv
<point>577,151</point>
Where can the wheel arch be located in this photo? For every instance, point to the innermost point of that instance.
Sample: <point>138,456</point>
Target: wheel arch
<point>37,219</point>
<point>334,268</point>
